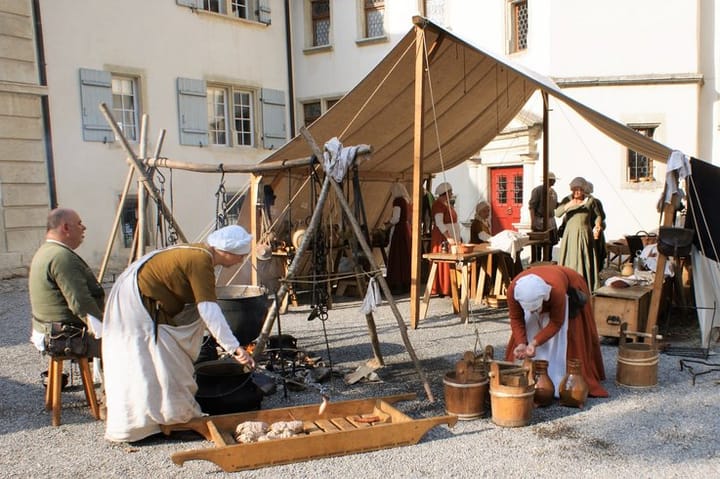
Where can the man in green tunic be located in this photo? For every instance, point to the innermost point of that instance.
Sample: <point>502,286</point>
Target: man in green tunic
<point>62,287</point>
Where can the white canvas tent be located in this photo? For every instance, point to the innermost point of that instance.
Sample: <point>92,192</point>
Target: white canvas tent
<point>467,96</point>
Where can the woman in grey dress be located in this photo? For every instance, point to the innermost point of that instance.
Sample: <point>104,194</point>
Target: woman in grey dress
<point>583,221</point>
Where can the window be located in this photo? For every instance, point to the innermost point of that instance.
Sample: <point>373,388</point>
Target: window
<point>232,204</point>
<point>240,8</point>
<point>313,109</point>
<point>320,14</point>
<point>226,130</point>
<point>217,114</point>
<point>255,10</point>
<point>639,167</point>
<point>518,25</point>
<point>518,189</point>
<point>374,18</point>
<point>120,93</point>
<point>124,93</point>
<point>226,115</point>
<point>129,220</point>
<point>311,112</point>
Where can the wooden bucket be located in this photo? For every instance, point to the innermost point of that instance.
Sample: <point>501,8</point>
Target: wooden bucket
<point>637,363</point>
<point>512,406</point>
<point>466,400</point>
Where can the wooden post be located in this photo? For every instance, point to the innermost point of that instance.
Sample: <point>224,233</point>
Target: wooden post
<point>142,195</point>
<point>417,194</point>
<point>147,183</point>
<point>357,229</point>
<point>254,183</point>
<point>656,297</point>
<point>546,247</point>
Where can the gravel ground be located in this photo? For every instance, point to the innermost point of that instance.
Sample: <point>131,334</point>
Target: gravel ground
<point>666,431</point>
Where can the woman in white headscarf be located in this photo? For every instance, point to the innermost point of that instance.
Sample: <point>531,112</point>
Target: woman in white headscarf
<point>582,224</point>
<point>398,268</point>
<point>480,225</point>
<point>151,339</point>
<point>445,233</point>
<point>546,322</point>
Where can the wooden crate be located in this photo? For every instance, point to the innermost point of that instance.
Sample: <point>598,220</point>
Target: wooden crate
<point>614,306</point>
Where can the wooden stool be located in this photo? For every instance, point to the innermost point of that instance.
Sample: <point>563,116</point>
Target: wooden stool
<point>53,399</point>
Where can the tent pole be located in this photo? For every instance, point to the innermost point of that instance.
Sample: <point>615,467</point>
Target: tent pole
<point>656,297</point>
<point>135,162</point>
<point>294,264</point>
<point>142,195</point>
<point>373,264</point>
<point>417,194</point>
<point>116,224</point>
<point>547,246</point>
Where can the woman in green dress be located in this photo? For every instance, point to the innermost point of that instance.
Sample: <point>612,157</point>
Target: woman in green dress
<point>583,221</point>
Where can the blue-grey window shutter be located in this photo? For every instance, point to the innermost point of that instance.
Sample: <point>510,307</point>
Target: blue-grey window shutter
<point>263,12</point>
<point>192,112</point>
<point>273,113</point>
<point>95,88</point>
<point>190,3</point>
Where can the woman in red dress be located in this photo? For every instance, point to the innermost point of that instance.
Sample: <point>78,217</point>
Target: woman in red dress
<point>398,268</point>
<point>445,230</point>
<point>543,328</point>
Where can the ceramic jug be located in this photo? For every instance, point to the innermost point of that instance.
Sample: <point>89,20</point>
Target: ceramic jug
<point>573,387</point>
<point>544,387</point>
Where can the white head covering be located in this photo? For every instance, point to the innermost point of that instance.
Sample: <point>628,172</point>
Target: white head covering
<point>398,190</point>
<point>531,291</point>
<point>443,188</point>
<point>578,182</point>
<point>233,239</point>
<point>478,207</point>
<point>589,188</point>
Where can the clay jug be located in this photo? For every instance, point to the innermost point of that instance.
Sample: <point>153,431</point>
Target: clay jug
<point>573,387</point>
<point>544,387</point>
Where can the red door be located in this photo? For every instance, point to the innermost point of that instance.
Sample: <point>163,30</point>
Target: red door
<point>506,197</point>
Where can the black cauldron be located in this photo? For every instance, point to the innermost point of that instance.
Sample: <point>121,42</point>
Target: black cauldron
<point>244,308</point>
<point>224,387</point>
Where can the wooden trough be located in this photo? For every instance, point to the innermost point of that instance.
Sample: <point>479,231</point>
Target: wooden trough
<point>343,428</point>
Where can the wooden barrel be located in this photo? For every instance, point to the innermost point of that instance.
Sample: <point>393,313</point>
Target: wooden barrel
<point>511,406</point>
<point>637,363</point>
<point>466,400</point>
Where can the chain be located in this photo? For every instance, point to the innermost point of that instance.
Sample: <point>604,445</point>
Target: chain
<point>172,237</point>
<point>221,202</point>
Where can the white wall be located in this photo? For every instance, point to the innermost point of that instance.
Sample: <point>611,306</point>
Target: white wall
<point>159,42</point>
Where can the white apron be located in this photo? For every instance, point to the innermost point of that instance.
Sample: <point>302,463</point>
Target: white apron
<point>147,382</point>
<point>554,351</point>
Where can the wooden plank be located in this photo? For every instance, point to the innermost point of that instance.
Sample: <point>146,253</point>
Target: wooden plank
<point>326,425</point>
<point>343,424</point>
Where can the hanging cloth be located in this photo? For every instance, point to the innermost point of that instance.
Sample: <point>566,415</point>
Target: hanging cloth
<point>373,299</point>
<point>337,159</point>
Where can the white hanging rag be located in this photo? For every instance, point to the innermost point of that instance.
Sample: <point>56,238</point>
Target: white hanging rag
<point>337,159</point>
<point>373,299</point>
<point>677,161</point>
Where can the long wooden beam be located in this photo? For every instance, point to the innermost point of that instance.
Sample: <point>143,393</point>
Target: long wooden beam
<point>360,235</point>
<point>147,183</point>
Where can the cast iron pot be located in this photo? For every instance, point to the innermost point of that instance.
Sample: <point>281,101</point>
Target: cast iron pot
<point>224,387</point>
<point>244,308</point>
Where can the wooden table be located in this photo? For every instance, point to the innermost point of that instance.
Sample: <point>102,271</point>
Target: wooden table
<point>472,282</point>
<point>617,251</point>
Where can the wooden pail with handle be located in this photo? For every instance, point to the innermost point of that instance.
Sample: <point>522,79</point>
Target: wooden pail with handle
<point>512,391</point>
<point>637,363</point>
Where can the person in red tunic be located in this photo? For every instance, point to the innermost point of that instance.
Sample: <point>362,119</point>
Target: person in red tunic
<point>542,327</point>
<point>445,230</point>
<point>398,268</point>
